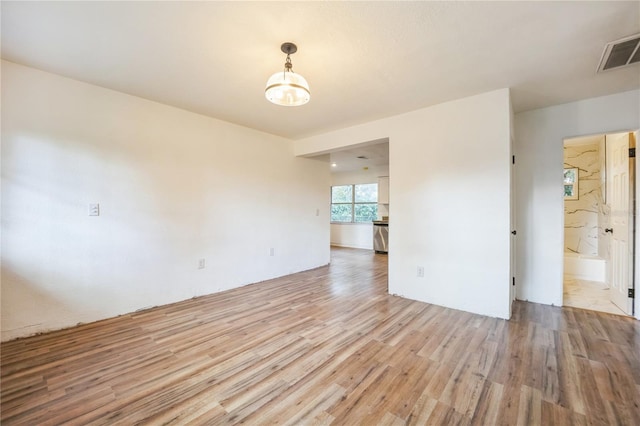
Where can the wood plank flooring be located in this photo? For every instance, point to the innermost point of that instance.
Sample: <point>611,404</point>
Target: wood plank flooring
<point>327,346</point>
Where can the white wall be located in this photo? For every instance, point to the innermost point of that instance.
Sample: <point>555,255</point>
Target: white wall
<point>173,187</point>
<point>539,164</point>
<point>450,169</point>
<point>356,235</point>
<point>359,176</point>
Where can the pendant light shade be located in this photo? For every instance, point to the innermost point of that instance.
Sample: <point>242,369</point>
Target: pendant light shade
<point>285,87</point>
<point>288,89</point>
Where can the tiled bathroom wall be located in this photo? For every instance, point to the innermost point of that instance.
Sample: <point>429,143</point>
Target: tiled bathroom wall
<point>581,216</point>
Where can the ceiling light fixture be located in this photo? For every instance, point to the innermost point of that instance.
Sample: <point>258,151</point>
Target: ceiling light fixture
<point>287,88</point>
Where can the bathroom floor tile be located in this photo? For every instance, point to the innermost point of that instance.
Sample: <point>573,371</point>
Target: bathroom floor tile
<point>590,295</point>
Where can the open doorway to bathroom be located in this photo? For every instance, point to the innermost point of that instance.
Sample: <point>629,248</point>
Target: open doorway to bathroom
<point>599,222</point>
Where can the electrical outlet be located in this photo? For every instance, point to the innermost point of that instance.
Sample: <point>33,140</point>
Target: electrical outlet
<point>94,209</point>
<point>201,264</point>
<point>420,272</point>
<point>272,251</point>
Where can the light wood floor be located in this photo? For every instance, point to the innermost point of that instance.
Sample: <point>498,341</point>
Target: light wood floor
<point>328,346</point>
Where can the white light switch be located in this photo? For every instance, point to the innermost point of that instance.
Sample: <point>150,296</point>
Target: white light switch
<point>94,209</point>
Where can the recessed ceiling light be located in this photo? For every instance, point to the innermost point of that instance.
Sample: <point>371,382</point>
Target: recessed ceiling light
<point>334,165</point>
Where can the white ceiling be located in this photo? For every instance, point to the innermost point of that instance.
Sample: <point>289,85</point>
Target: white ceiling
<point>375,154</point>
<point>363,60</point>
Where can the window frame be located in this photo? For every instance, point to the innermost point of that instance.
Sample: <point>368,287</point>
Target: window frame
<point>352,203</point>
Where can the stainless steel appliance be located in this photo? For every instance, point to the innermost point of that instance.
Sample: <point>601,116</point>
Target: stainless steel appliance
<point>381,236</point>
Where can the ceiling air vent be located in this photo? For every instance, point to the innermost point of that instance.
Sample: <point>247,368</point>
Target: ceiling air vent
<point>620,53</point>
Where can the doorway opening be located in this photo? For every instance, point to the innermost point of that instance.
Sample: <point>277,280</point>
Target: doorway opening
<point>599,222</point>
<point>359,194</point>
<point>358,197</point>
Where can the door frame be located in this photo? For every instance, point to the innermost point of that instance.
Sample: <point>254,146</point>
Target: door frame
<point>513,229</point>
<point>634,207</point>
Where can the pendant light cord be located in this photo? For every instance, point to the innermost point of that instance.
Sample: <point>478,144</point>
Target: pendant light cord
<point>288,66</point>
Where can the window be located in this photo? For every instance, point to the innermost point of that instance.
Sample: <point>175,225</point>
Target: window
<point>354,203</point>
<point>571,184</point>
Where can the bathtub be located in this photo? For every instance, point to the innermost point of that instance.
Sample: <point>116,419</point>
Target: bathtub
<point>585,267</point>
